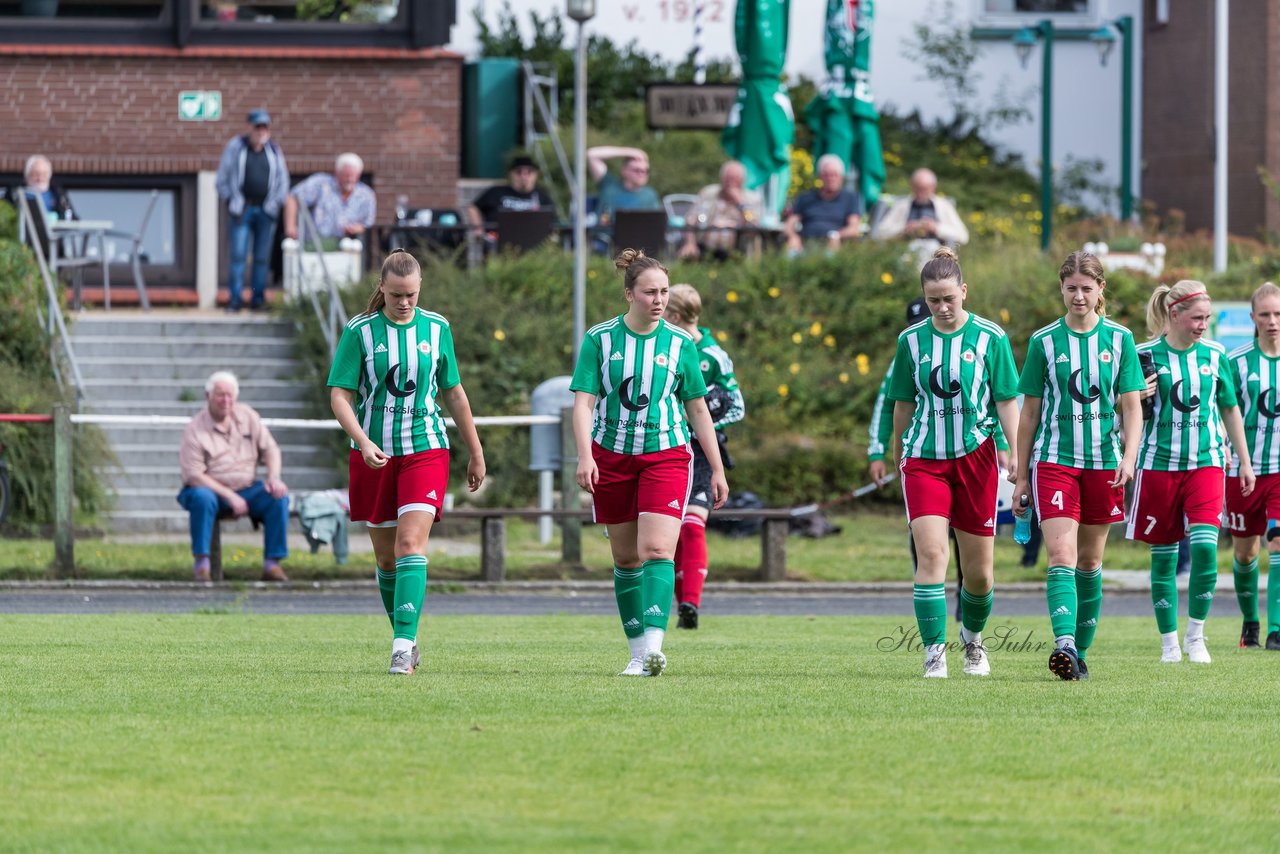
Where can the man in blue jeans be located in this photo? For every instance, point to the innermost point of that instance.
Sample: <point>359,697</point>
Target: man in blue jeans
<point>253,180</point>
<point>221,450</point>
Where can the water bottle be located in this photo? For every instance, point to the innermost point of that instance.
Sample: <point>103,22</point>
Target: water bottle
<point>1022,524</point>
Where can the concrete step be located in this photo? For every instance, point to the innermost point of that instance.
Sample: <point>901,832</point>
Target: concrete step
<point>252,392</point>
<point>186,409</point>
<point>148,499</point>
<point>299,478</point>
<point>133,456</point>
<point>179,326</point>
<point>207,348</point>
<point>167,440</point>
<point>147,368</point>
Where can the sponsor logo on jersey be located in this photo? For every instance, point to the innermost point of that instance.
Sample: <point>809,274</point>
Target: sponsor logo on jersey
<point>968,356</point>
<point>424,347</point>
<point>1077,392</point>
<point>381,348</point>
<point>1104,356</point>
<point>660,360</point>
<point>1062,359</point>
<point>615,357</point>
<point>1179,402</point>
<point>936,384</point>
<point>392,386</point>
<point>624,395</point>
<point>1267,403</point>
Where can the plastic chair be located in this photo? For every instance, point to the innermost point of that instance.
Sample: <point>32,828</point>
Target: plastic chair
<point>61,252</point>
<point>678,206</point>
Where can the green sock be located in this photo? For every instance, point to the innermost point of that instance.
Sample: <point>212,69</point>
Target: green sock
<point>975,609</point>
<point>411,592</point>
<point>1204,570</point>
<point>658,587</point>
<point>1273,593</point>
<point>626,589</point>
<point>1060,590</point>
<point>931,613</point>
<point>387,589</point>
<point>1164,590</point>
<point>1088,606</point>
<point>1246,578</point>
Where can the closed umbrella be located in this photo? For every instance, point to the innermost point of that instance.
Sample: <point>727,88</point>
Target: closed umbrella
<point>762,126</point>
<point>843,117</point>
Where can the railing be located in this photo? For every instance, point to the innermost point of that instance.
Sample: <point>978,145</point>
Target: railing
<point>333,316</point>
<point>52,320</point>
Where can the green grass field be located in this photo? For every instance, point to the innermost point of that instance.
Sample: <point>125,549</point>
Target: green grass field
<point>237,732</point>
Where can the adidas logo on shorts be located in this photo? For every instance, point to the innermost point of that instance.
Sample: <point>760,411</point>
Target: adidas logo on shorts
<point>674,505</point>
<point>654,611</point>
<point>990,523</point>
<point>432,494</point>
<point>701,496</point>
<point>1116,511</point>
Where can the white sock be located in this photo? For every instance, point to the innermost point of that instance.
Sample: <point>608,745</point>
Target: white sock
<point>1065,640</point>
<point>934,650</point>
<point>1169,639</point>
<point>967,637</point>
<point>653,639</point>
<point>637,646</point>
<point>401,645</point>
<point>1195,629</point>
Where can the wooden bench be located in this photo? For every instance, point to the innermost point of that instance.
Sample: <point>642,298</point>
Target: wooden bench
<point>215,544</point>
<point>776,525</point>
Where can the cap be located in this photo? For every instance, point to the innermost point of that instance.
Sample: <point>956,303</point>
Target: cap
<point>916,309</point>
<point>522,160</point>
<point>259,117</point>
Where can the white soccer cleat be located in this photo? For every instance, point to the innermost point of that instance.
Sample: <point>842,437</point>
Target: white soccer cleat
<point>401,663</point>
<point>635,667</point>
<point>975,659</point>
<point>1197,652</point>
<point>1170,655</point>
<point>655,662</point>
<point>935,666</point>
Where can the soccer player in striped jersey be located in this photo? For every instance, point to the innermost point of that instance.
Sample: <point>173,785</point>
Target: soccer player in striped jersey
<point>638,389</point>
<point>725,404</point>
<point>1179,486</point>
<point>953,378</point>
<point>1256,372</point>
<point>393,368</point>
<point>1081,372</point>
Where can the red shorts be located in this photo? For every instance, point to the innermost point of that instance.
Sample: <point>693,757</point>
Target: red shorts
<point>412,482</point>
<point>1247,517</point>
<point>962,490</point>
<point>631,484</point>
<point>1167,503</point>
<point>1084,495</point>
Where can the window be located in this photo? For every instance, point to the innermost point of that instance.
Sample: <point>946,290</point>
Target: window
<point>138,10</point>
<point>308,11</point>
<point>168,243</point>
<point>1020,13</point>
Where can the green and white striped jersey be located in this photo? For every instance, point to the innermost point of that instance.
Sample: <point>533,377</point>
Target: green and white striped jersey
<point>955,379</point>
<point>396,371</point>
<point>717,369</point>
<point>640,383</point>
<point>881,430</point>
<point>1256,378</point>
<point>1185,431</point>
<point>1079,377</point>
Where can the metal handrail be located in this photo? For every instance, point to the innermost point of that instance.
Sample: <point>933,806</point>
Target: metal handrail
<point>55,325</point>
<point>550,120</point>
<point>330,325</point>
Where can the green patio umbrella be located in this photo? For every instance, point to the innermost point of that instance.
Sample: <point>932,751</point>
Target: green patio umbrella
<point>762,126</point>
<point>843,117</point>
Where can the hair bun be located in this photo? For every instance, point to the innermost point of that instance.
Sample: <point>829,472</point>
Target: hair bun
<point>626,258</point>
<point>946,252</point>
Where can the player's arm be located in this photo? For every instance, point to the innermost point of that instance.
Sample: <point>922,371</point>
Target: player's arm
<point>342,402</point>
<point>903,412</point>
<point>455,398</point>
<point>700,419</point>
<point>584,405</point>
<point>1007,411</point>
<point>1235,432</point>
<point>1027,421</point>
<point>1131,423</point>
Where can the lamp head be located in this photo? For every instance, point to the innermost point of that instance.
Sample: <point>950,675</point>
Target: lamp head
<point>1105,41</point>
<point>581,10</point>
<point>1023,41</point>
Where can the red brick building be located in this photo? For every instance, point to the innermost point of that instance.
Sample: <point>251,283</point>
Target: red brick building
<point>97,90</point>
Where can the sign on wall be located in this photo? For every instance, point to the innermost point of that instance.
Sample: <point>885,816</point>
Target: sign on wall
<point>686,106</point>
<point>199,106</point>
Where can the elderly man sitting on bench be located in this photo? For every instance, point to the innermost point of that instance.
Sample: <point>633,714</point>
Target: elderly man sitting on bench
<point>221,450</point>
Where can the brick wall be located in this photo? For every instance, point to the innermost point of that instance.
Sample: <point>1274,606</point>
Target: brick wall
<point>115,110</point>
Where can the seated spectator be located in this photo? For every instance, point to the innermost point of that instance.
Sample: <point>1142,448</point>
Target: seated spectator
<point>342,205</point>
<point>830,213</point>
<point>221,449</point>
<point>923,216</point>
<point>628,191</point>
<point>728,205</point>
<point>521,193</point>
<point>37,177</point>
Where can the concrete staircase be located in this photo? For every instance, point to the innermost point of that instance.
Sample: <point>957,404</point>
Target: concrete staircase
<point>157,364</point>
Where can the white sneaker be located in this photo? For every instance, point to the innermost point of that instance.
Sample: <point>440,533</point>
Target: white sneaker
<point>975,659</point>
<point>635,667</point>
<point>1170,655</point>
<point>935,666</point>
<point>1197,652</point>
<point>401,663</point>
<point>655,662</point>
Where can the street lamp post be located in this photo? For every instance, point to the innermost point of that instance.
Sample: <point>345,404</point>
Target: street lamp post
<point>1105,42</point>
<point>580,11</point>
<point>1023,41</point>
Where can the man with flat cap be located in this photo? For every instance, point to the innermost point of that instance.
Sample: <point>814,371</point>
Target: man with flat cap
<point>253,180</point>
